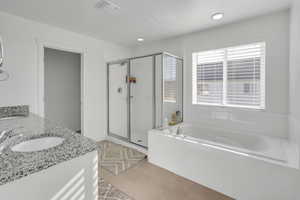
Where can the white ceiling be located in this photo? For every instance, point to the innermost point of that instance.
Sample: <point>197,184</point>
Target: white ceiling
<point>149,19</point>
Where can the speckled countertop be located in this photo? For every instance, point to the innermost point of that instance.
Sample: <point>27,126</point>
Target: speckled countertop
<point>15,165</point>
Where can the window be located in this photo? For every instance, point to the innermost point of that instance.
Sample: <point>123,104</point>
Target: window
<point>246,88</point>
<point>204,91</point>
<point>170,80</point>
<point>232,76</point>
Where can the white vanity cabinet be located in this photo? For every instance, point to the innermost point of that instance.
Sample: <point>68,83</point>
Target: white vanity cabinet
<point>76,179</point>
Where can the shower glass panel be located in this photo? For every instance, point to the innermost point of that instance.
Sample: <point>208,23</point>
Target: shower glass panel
<point>172,89</point>
<point>142,99</point>
<point>118,99</point>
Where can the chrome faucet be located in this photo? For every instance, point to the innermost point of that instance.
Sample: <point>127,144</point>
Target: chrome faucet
<point>7,134</point>
<point>179,130</point>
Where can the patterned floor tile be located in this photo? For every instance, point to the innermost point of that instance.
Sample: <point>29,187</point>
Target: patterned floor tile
<point>109,192</point>
<point>117,158</point>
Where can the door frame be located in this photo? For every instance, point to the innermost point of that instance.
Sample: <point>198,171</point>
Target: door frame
<point>41,45</point>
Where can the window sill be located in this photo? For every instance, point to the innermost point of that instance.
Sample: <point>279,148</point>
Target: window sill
<point>169,101</point>
<point>233,107</point>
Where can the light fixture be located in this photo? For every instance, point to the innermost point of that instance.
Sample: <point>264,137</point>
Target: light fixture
<point>140,39</point>
<point>217,16</point>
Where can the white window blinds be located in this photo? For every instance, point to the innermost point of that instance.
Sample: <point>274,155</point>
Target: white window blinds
<point>209,75</point>
<point>230,77</point>
<point>170,79</point>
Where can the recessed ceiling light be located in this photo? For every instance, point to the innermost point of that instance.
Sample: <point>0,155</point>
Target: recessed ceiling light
<point>140,39</point>
<point>217,16</point>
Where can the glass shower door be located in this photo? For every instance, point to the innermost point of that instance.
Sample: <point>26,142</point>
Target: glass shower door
<point>118,100</point>
<point>142,99</point>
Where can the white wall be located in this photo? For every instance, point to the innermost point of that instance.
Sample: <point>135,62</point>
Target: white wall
<point>21,61</point>
<point>295,72</point>
<point>274,30</point>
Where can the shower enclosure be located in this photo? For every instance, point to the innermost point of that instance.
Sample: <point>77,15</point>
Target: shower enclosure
<point>144,93</point>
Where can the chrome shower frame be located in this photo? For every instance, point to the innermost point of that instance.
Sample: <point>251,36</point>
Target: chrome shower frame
<point>127,60</point>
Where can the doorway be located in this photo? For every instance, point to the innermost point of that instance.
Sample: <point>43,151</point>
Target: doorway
<point>62,88</point>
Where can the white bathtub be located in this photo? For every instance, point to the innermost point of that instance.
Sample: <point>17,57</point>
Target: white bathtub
<point>239,165</point>
<point>261,147</point>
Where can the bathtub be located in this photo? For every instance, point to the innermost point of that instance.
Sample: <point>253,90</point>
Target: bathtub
<point>258,146</point>
<point>242,166</point>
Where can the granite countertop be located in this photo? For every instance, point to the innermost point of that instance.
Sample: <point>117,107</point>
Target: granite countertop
<point>15,165</point>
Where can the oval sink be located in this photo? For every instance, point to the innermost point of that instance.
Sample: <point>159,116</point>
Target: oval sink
<point>37,144</point>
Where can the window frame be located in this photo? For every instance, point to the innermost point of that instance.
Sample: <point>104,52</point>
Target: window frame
<point>224,104</point>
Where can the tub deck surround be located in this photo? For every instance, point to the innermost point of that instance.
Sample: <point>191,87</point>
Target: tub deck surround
<point>278,151</point>
<point>15,165</point>
<point>233,173</point>
<point>13,111</point>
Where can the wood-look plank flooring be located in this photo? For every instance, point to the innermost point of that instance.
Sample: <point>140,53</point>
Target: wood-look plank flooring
<point>149,182</point>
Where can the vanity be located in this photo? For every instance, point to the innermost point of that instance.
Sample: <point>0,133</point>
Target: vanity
<point>40,160</point>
